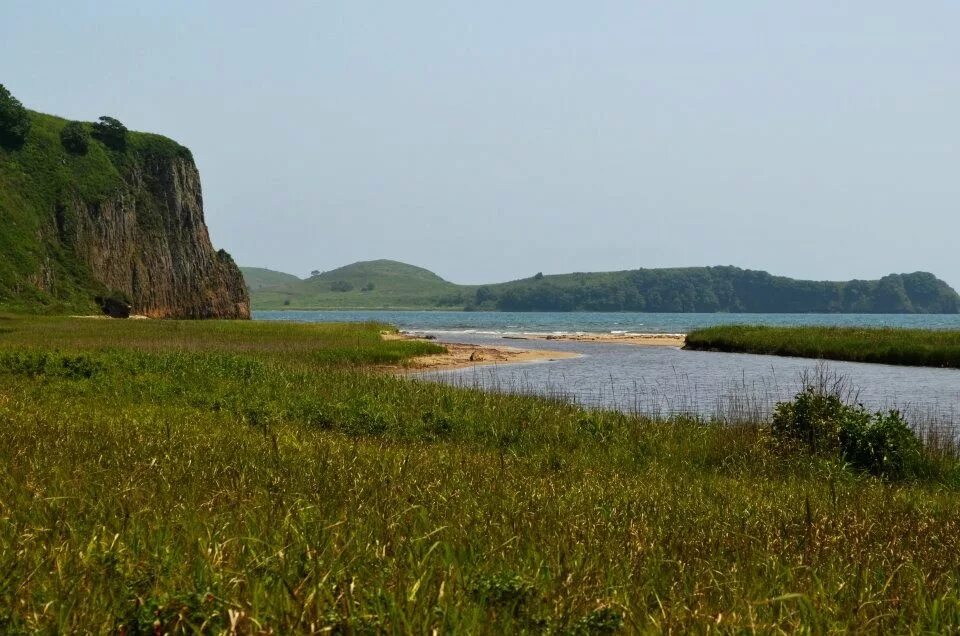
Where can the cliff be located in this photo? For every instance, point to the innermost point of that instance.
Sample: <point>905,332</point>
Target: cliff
<point>122,220</point>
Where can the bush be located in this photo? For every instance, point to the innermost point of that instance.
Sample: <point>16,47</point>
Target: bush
<point>111,133</point>
<point>812,419</point>
<point>368,287</point>
<point>14,120</point>
<point>75,138</point>
<point>503,590</point>
<point>341,286</point>
<point>882,444</point>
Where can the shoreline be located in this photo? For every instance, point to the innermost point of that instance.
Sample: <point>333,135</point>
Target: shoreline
<point>462,356</point>
<point>641,339</point>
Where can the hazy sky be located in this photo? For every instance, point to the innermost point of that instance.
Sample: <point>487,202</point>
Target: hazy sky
<point>491,140</point>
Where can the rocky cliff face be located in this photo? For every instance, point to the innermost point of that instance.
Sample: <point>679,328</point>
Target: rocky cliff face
<point>114,217</point>
<point>150,242</point>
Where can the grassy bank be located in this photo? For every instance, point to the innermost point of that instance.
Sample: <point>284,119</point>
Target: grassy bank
<point>913,347</point>
<point>209,476</point>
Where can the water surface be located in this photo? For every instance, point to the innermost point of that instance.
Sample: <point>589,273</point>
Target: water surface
<point>668,380</point>
<point>520,323</point>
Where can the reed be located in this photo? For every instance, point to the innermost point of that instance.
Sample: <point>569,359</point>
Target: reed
<point>911,347</point>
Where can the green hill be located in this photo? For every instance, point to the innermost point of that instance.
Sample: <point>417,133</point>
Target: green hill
<point>258,278</point>
<point>380,284</point>
<point>389,284</point>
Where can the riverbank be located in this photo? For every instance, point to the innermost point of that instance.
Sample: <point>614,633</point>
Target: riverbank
<point>906,347</point>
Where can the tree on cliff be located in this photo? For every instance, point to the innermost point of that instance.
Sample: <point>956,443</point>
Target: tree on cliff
<point>111,132</point>
<point>75,138</point>
<point>14,119</point>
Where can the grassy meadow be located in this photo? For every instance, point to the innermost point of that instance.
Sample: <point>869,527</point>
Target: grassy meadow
<point>911,347</point>
<point>219,477</point>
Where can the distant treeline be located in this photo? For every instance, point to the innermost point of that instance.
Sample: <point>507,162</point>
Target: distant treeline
<point>717,289</point>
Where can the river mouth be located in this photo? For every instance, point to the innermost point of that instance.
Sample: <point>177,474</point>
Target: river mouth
<point>660,381</point>
<point>665,381</point>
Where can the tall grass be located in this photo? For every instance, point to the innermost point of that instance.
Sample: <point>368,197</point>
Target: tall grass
<point>209,477</point>
<point>911,347</point>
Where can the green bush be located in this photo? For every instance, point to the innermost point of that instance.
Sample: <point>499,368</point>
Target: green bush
<point>14,119</point>
<point>111,133</point>
<point>341,286</point>
<point>812,419</point>
<point>503,590</point>
<point>882,444</point>
<point>75,138</point>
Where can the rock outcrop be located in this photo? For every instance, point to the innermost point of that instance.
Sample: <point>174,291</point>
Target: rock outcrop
<point>150,242</point>
<point>109,219</point>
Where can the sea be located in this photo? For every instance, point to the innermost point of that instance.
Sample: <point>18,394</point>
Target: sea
<point>668,381</point>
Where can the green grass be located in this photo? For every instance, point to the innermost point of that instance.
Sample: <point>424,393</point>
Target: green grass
<point>258,278</point>
<point>185,477</point>
<point>912,347</point>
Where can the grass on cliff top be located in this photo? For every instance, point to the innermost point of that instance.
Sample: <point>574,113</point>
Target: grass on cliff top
<point>206,477</point>
<point>912,347</point>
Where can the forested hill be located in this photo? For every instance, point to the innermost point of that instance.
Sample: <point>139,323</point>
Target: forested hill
<point>719,289</point>
<point>393,285</point>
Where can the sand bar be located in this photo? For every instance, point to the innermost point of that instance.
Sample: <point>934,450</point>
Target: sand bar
<point>460,356</point>
<point>644,339</point>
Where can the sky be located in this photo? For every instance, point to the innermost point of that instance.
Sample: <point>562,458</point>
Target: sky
<point>488,141</point>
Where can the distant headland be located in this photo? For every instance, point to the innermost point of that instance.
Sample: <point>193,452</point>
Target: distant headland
<point>385,284</point>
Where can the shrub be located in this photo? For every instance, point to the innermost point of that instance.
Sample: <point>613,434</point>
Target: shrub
<point>54,364</point>
<point>368,287</point>
<point>111,133</point>
<point>504,590</point>
<point>14,119</point>
<point>882,444</point>
<point>605,620</point>
<point>812,419</point>
<point>75,138</point>
<point>341,286</point>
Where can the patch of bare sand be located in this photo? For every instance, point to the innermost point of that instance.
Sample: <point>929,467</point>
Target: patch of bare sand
<point>105,317</point>
<point>644,339</point>
<point>464,355</point>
